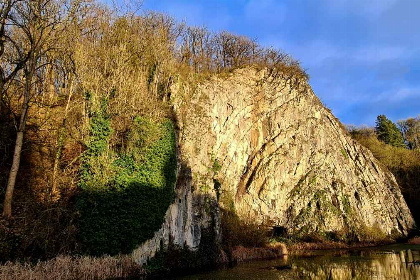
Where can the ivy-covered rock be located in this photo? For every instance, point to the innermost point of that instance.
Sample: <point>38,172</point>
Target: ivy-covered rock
<point>125,194</point>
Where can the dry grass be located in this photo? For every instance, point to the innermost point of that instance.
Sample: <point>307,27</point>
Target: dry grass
<point>414,241</point>
<point>298,248</point>
<point>241,254</point>
<point>67,267</point>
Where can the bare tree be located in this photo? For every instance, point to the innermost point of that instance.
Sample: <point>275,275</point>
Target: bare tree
<point>196,48</point>
<point>34,27</point>
<point>235,51</point>
<point>410,128</point>
<point>12,58</point>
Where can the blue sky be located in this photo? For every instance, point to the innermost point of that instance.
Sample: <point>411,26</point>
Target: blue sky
<point>363,56</point>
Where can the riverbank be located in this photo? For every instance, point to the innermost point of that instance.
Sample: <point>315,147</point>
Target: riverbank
<point>414,240</point>
<point>123,266</point>
<point>301,247</point>
<point>272,251</point>
<point>278,249</point>
<point>398,261</point>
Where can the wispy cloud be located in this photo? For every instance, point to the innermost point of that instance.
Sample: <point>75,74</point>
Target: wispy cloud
<point>369,8</point>
<point>397,95</point>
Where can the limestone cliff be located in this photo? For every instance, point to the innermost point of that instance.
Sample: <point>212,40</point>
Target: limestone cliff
<point>263,142</point>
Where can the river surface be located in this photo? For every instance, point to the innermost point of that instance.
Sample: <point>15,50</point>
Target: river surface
<point>387,262</point>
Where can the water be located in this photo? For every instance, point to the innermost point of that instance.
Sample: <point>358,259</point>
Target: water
<point>389,262</point>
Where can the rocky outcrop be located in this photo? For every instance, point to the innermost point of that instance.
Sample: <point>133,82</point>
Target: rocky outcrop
<point>263,142</point>
<point>283,158</point>
<point>184,220</point>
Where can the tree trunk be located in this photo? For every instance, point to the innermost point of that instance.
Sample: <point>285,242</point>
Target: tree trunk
<point>2,105</point>
<point>7,207</point>
<point>7,211</point>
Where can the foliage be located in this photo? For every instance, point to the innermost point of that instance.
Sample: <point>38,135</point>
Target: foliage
<point>97,146</point>
<point>51,231</point>
<point>122,209</point>
<point>388,132</point>
<point>410,129</point>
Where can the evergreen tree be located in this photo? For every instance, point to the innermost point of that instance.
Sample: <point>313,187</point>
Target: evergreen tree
<point>388,132</point>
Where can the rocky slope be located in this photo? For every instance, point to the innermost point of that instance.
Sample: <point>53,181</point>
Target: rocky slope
<point>262,143</point>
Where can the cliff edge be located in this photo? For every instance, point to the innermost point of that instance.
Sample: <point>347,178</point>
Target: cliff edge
<point>260,142</point>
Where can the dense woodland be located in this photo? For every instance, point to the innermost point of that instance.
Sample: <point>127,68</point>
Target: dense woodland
<point>87,133</point>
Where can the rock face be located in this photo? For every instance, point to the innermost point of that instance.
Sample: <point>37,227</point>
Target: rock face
<point>264,143</point>
<point>185,220</point>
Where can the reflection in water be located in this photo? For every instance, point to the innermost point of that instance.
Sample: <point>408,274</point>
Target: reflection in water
<point>391,262</point>
<point>370,264</point>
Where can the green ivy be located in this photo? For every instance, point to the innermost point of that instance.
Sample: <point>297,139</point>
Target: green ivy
<point>124,195</point>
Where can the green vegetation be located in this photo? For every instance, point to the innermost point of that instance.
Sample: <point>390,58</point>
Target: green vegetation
<point>344,153</point>
<point>388,132</point>
<point>123,202</point>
